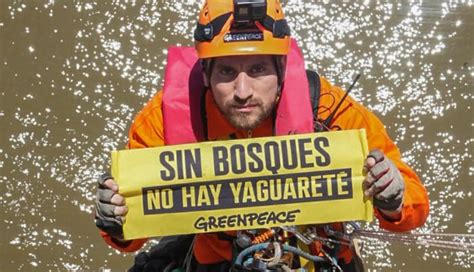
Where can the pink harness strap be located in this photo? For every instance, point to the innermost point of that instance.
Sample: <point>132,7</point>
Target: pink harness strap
<point>294,113</point>
<point>182,95</point>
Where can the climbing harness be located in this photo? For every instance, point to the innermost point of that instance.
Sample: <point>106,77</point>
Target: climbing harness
<point>271,249</point>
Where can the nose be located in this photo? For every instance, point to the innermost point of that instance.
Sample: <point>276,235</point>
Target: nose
<point>242,87</point>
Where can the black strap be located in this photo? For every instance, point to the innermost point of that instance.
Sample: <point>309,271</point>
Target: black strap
<point>207,32</point>
<point>279,28</point>
<point>204,114</point>
<point>314,91</point>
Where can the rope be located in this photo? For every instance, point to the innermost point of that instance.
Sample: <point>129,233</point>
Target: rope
<point>257,247</point>
<point>189,256</point>
<point>464,241</point>
<point>322,239</point>
<point>451,241</point>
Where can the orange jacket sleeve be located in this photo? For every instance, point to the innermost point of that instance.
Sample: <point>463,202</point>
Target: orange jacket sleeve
<point>146,131</point>
<point>352,115</point>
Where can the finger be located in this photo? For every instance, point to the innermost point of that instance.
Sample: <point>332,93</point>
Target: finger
<point>377,155</point>
<point>394,187</point>
<point>105,195</point>
<point>118,200</point>
<point>368,181</point>
<point>121,211</point>
<point>368,164</point>
<point>383,183</point>
<point>106,210</point>
<point>379,169</point>
<point>103,178</point>
<point>111,184</point>
<point>110,210</point>
<point>371,191</point>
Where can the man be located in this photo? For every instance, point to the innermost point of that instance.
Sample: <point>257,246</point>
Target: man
<point>253,84</point>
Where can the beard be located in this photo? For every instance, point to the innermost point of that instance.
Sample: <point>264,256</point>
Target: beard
<point>246,120</point>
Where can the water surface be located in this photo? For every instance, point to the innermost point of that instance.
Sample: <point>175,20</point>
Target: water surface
<point>74,73</point>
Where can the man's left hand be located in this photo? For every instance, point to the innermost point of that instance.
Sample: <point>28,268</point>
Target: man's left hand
<point>384,183</point>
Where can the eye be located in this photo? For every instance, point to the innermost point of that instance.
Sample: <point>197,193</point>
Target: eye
<point>226,71</point>
<point>257,69</point>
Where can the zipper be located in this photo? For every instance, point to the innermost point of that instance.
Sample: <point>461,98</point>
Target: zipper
<point>249,134</point>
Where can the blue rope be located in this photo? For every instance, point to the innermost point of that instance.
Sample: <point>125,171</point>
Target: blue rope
<point>297,251</point>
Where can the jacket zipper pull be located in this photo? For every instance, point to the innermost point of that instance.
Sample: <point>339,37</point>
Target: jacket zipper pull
<point>249,134</point>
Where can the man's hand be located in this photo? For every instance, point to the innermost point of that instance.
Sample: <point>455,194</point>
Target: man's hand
<point>110,207</point>
<point>384,183</point>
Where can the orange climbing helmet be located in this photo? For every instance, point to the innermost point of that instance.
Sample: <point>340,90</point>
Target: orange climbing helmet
<point>241,27</point>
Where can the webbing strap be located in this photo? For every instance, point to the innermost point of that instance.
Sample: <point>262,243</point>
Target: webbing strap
<point>279,28</point>
<point>314,91</point>
<point>207,32</point>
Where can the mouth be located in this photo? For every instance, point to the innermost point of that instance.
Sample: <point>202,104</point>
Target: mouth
<point>244,108</point>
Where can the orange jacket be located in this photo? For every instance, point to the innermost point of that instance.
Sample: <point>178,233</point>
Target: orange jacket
<point>147,131</point>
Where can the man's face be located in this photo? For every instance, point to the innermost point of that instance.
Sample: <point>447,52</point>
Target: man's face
<point>245,89</point>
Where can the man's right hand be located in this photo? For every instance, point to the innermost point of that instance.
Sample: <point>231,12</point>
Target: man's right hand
<point>110,207</point>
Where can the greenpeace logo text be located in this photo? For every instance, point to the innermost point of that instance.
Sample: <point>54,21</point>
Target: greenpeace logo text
<point>243,36</point>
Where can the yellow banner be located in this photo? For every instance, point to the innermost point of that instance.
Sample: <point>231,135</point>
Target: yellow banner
<point>243,184</point>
